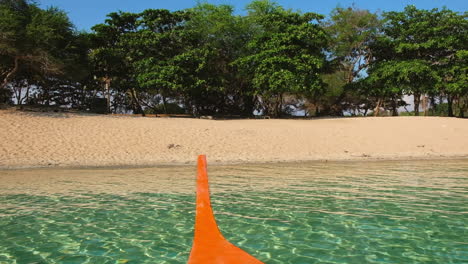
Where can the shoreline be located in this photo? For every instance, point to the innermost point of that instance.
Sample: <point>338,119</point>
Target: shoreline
<point>31,140</point>
<point>245,163</point>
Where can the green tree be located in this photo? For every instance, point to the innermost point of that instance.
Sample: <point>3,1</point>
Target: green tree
<point>110,54</point>
<point>191,60</point>
<point>392,79</point>
<point>71,87</point>
<point>221,38</point>
<point>32,44</point>
<point>285,54</point>
<point>419,48</point>
<point>352,31</point>
<point>450,56</point>
<point>159,70</point>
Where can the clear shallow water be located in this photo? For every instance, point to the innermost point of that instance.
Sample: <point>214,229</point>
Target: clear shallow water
<point>374,212</point>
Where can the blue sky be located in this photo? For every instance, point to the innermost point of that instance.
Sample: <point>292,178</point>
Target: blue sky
<point>86,13</point>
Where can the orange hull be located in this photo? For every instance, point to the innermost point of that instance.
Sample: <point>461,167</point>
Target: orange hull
<point>209,245</point>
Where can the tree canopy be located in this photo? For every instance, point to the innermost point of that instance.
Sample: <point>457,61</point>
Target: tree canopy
<point>208,60</point>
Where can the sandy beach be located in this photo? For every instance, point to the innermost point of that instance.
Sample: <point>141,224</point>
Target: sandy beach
<point>82,140</point>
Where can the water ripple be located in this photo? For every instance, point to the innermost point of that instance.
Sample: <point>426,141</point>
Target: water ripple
<point>375,212</point>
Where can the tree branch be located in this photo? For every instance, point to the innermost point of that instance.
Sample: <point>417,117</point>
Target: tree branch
<point>10,74</point>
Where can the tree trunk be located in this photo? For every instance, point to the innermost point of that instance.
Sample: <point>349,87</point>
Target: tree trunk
<point>18,92</point>
<point>19,95</point>
<point>424,104</point>
<point>275,105</point>
<point>450,106</point>
<point>249,103</point>
<point>27,94</point>
<point>394,107</point>
<point>46,94</point>
<point>164,104</point>
<point>136,102</point>
<point>433,105</point>
<point>377,108</point>
<point>461,107</point>
<point>107,88</point>
<point>279,109</point>
<point>417,100</point>
<point>350,77</point>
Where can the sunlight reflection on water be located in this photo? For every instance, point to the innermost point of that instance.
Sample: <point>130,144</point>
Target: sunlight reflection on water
<point>343,212</point>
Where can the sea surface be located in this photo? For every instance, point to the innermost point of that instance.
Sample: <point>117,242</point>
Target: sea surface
<point>335,212</point>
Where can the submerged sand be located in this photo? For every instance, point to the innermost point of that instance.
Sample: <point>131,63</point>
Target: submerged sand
<point>77,140</point>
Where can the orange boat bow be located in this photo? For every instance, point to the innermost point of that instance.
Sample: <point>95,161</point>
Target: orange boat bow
<point>209,245</point>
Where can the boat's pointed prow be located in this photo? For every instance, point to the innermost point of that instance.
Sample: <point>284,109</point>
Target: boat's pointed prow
<point>209,245</point>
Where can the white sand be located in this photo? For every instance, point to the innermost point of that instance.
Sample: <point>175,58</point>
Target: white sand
<point>69,140</point>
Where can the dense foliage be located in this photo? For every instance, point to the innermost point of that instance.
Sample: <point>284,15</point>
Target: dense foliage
<point>207,60</point>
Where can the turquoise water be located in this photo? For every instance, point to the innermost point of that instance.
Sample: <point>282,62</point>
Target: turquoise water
<point>374,212</point>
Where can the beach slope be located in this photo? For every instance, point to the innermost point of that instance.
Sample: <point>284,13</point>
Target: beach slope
<point>82,140</point>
